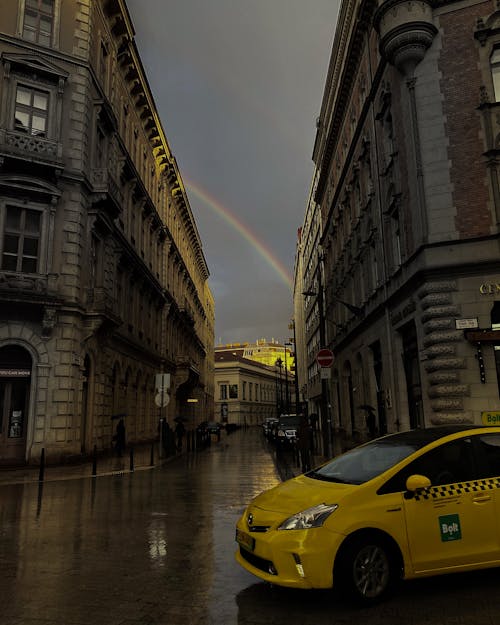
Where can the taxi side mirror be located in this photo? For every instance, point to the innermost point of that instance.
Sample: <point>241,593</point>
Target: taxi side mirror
<point>415,483</point>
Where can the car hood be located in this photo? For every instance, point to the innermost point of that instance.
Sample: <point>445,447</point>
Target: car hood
<point>300,493</point>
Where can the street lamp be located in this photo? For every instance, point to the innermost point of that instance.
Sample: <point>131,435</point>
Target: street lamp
<point>325,413</point>
<point>297,411</point>
<point>279,364</point>
<point>357,312</point>
<point>286,382</point>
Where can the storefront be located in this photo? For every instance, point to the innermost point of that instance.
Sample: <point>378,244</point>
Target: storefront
<point>15,382</point>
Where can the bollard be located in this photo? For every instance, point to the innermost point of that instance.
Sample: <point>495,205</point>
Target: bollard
<point>94,462</point>
<point>41,473</point>
<point>152,459</point>
<point>131,460</point>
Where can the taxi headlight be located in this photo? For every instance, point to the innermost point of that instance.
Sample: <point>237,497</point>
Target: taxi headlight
<point>312,517</point>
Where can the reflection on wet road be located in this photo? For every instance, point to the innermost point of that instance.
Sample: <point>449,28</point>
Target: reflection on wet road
<point>157,548</point>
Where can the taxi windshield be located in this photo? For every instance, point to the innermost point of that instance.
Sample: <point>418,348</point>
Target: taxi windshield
<point>364,463</point>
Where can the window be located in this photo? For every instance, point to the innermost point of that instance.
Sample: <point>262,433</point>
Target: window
<point>495,72</point>
<point>21,238</point>
<point>488,452</point>
<point>396,238</point>
<point>447,464</point>
<point>223,391</point>
<point>233,391</point>
<point>38,23</point>
<point>495,325</point>
<point>31,111</point>
<point>103,63</point>
<point>100,148</point>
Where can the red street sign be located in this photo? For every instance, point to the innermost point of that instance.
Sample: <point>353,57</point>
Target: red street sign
<point>325,358</point>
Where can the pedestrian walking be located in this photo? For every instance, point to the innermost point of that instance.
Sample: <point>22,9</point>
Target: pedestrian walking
<point>120,437</point>
<point>180,430</point>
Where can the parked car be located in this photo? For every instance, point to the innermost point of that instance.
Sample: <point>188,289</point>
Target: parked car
<point>285,430</point>
<point>213,427</point>
<point>268,425</point>
<point>407,505</point>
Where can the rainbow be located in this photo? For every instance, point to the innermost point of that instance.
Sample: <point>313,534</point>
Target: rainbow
<point>242,229</point>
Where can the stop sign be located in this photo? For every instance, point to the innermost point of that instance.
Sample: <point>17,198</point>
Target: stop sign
<point>324,358</point>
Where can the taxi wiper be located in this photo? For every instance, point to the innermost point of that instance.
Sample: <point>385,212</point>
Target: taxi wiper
<point>326,478</point>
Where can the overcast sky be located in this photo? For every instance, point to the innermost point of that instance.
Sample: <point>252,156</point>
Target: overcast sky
<point>238,85</point>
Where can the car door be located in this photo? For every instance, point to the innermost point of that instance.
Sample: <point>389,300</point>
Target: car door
<point>452,524</point>
<point>487,454</point>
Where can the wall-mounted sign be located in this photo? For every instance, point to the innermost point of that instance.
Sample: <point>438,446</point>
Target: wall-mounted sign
<point>490,417</point>
<point>490,288</point>
<point>15,373</point>
<point>483,336</point>
<point>463,324</point>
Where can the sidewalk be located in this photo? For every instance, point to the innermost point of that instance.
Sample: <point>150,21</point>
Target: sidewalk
<point>137,458</point>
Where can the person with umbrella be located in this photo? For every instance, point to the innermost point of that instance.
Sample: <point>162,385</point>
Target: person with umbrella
<point>371,419</point>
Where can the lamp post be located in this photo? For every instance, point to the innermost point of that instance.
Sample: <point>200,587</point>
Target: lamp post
<point>325,413</point>
<point>326,423</point>
<point>279,364</point>
<point>287,394</point>
<point>297,407</point>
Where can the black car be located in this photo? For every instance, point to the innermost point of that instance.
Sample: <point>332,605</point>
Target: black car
<point>213,427</point>
<point>285,431</point>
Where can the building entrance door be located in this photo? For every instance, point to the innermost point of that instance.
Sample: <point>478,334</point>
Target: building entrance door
<point>15,381</point>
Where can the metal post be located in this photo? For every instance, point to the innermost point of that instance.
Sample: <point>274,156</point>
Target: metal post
<point>325,413</point>
<point>297,401</point>
<point>287,394</point>
<point>131,460</point>
<point>94,462</point>
<point>152,458</point>
<point>41,474</point>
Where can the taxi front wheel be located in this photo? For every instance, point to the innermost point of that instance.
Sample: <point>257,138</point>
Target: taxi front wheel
<point>366,570</point>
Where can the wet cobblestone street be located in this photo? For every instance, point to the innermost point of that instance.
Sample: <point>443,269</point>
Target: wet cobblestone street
<point>156,547</point>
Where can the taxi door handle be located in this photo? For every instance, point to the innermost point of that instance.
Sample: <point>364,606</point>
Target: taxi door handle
<point>481,498</point>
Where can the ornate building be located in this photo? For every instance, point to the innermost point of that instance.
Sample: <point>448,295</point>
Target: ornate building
<point>247,391</point>
<point>103,281</point>
<point>407,192</point>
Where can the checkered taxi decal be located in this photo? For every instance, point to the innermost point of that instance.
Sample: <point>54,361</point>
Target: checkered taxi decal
<point>450,490</point>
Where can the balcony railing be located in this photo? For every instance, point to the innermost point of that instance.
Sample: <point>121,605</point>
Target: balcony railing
<point>31,146</point>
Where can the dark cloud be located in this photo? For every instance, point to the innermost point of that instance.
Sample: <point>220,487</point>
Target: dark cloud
<point>238,85</point>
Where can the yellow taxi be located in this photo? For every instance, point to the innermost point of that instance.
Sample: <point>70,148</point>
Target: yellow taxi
<point>411,504</point>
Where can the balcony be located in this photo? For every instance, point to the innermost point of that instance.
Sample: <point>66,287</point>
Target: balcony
<point>31,147</point>
<point>107,193</point>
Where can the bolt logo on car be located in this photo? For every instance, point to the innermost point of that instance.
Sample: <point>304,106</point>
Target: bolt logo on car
<point>450,527</point>
<point>406,505</point>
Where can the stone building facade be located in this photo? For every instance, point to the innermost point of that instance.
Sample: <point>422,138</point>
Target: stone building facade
<point>407,190</point>
<point>247,391</point>
<point>103,280</point>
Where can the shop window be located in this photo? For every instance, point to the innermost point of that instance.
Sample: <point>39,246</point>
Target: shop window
<point>31,111</point>
<point>20,243</point>
<point>495,325</point>
<point>38,21</point>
